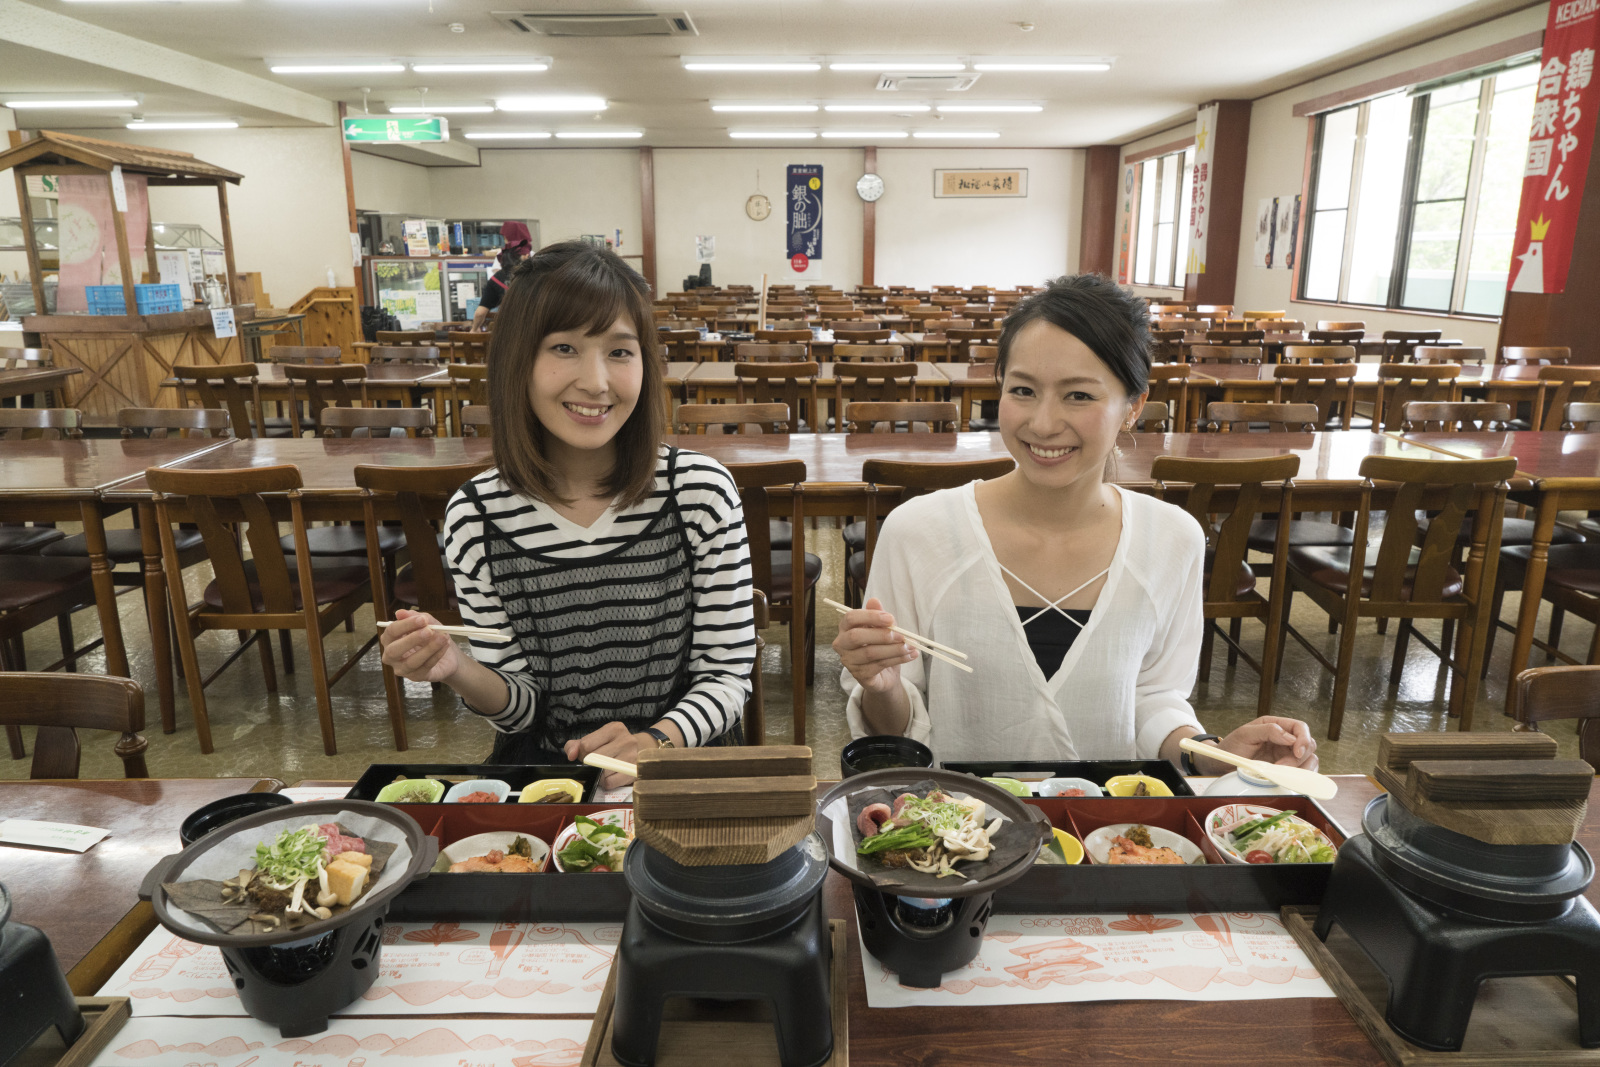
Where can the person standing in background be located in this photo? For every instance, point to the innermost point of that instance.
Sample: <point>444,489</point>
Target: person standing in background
<point>518,246</point>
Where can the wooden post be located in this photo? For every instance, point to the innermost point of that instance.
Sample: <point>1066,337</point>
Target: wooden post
<point>350,196</point>
<point>1228,157</point>
<point>227,232</point>
<point>869,223</point>
<point>150,241</point>
<point>1097,232</point>
<point>35,273</point>
<point>647,216</point>
<point>119,223</point>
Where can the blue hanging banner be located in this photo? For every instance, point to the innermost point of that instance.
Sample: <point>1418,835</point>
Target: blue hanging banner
<point>804,226</point>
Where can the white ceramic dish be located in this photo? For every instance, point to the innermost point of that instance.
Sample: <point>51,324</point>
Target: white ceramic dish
<point>1242,783</point>
<point>1098,842</point>
<point>1232,815</point>
<point>481,844</point>
<point>1055,787</point>
<point>622,817</point>
<point>480,785</point>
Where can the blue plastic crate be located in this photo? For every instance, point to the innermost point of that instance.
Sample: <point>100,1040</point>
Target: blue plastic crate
<point>149,299</point>
<point>106,300</point>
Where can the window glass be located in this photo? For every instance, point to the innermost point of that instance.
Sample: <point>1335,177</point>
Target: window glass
<point>1338,154</point>
<point>1500,191</point>
<point>1166,191</point>
<point>1327,255</point>
<point>1336,157</point>
<point>1185,198</point>
<point>1142,259</point>
<point>1382,184</point>
<point>1431,263</point>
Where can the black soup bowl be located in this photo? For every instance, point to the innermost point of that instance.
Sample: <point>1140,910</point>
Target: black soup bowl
<point>203,820</point>
<point>882,751</point>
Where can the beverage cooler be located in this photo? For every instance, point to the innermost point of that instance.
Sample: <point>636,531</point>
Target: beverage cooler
<point>424,289</point>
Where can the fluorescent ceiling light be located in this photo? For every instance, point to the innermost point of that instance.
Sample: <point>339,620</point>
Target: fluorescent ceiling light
<point>1041,63</point>
<point>895,66</point>
<point>507,135</point>
<point>773,135</point>
<point>339,68</point>
<point>598,135</point>
<point>992,109</point>
<point>777,63</point>
<point>447,109</point>
<point>551,103</point>
<point>863,135</point>
<point>485,68</point>
<point>183,125</point>
<point>956,135</point>
<point>64,104</point>
<point>764,107</point>
<point>888,108</point>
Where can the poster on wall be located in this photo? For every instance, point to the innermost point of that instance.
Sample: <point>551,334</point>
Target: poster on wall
<point>88,239</point>
<point>1266,230</point>
<point>415,232</point>
<point>1559,143</point>
<point>980,182</point>
<point>1125,257</point>
<point>1288,210</point>
<point>1205,125</point>
<point>803,228</point>
<point>705,248</point>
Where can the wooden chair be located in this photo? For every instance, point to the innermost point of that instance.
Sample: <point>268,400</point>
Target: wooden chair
<point>794,384</point>
<point>1319,353</point>
<point>1402,383</point>
<point>1236,337</point>
<point>681,345</point>
<point>940,327</point>
<point>405,354</point>
<point>1332,389</point>
<point>1227,497</point>
<point>365,422</point>
<point>236,388</point>
<point>947,300</point>
<point>1542,694</point>
<point>62,704</point>
<point>1166,346</point>
<point>469,347</point>
<point>406,338</point>
<point>159,423</point>
<point>417,497</point>
<point>1560,386</point>
<point>1335,337</point>
<point>1257,315</point>
<point>983,353</point>
<point>314,355</point>
<point>1278,417</point>
<point>26,358</point>
<point>983,315</point>
<point>1398,345</point>
<point>33,591</point>
<point>1461,416</point>
<point>343,386</point>
<point>957,339</point>
<point>1406,579</point>
<point>923,315</point>
<point>868,353</point>
<point>788,578</point>
<point>940,416</point>
<point>780,337</point>
<point>853,335</point>
<point>231,508</point>
<point>1214,310</point>
<point>469,386</point>
<point>864,382</point>
<point>1448,354</point>
<point>744,418</point>
<point>1341,325</point>
<point>773,353</point>
<point>44,424</point>
<point>1215,353</point>
<point>475,418</point>
<point>1583,417</point>
<point>1543,355</point>
<point>1166,408</point>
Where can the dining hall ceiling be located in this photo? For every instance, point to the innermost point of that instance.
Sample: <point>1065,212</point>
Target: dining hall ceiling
<point>211,59</point>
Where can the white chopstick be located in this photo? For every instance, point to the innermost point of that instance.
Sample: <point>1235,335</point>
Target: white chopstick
<point>459,631</point>
<point>606,763</point>
<point>916,641</point>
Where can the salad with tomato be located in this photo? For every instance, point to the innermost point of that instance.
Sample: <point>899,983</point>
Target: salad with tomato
<point>1283,837</point>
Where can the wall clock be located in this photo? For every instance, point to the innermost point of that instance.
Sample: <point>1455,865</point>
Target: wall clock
<point>758,207</point>
<point>869,187</point>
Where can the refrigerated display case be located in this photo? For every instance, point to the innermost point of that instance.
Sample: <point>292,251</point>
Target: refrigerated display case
<point>419,290</point>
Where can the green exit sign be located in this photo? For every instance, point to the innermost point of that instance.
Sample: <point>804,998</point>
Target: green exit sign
<point>397,129</point>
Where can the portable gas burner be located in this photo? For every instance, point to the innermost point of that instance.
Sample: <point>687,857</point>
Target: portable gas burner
<point>1439,912</point>
<point>36,996</point>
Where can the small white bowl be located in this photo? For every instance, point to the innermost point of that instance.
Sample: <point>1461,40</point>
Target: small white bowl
<point>1233,814</point>
<point>482,844</point>
<point>480,785</point>
<point>1055,787</point>
<point>1098,842</point>
<point>1242,783</point>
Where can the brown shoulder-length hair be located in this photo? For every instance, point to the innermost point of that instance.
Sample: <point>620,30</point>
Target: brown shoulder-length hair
<point>562,287</point>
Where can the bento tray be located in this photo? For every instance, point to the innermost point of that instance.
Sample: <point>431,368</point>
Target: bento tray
<point>516,776</point>
<point>1098,771</point>
<point>549,896</point>
<point>1214,886</point>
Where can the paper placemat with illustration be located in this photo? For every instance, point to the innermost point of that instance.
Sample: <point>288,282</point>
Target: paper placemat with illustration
<point>426,969</point>
<point>1051,959</point>
<point>247,1042</point>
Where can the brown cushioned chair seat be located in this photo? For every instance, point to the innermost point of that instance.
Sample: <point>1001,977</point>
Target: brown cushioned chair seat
<point>1244,582</point>
<point>855,536</point>
<point>1264,534</point>
<point>1329,567</point>
<point>346,540</point>
<point>122,545</point>
<point>27,539</point>
<point>332,583</point>
<point>1520,532</point>
<point>781,562</point>
<point>405,589</point>
<point>778,533</point>
<point>1575,567</point>
<point>26,580</point>
<point>1590,526</point>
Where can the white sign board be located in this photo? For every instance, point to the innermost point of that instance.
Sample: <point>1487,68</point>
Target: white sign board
<point>119,190</point>
<point>1205,130</point>
<point>197,266</point>
<point>216,262</point>
<point>705,249</point>
<point>222,323</point>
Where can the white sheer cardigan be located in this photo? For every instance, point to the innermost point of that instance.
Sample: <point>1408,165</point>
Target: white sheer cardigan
<point>1123,686</point>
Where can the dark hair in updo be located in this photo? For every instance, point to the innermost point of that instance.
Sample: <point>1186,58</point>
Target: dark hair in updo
<point>1110,320</point>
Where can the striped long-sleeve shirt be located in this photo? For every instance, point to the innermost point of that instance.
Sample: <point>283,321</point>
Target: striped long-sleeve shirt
<point>606,624</point>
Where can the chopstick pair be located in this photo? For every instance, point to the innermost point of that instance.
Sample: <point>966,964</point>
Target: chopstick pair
<point>917,641</point>
<point>459,631</point>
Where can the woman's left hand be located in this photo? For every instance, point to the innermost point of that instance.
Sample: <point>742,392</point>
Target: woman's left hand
<point>1274,739</point>
<point>614,740</point>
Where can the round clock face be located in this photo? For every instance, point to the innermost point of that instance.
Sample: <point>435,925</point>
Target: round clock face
<point>758,207</point>
<point>869,187</point>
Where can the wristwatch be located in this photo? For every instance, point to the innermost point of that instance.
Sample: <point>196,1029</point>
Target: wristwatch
<point>1187,763</point>
<point>662,740</point>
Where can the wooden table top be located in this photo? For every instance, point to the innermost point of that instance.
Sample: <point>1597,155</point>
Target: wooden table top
<point>76,898</point>
<point>1540,453</point>
<point>26,380</point>
<point>1331,457</point>
<point>1366,373</point>
<point>83,467</point>
<point>826,338</point>
<point>837,457</point>
<point>927,373</point>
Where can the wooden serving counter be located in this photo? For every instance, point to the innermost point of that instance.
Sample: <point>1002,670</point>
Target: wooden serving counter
<point>125,358</point>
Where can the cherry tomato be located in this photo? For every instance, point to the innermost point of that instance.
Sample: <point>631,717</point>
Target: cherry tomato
<point>1258,855</point>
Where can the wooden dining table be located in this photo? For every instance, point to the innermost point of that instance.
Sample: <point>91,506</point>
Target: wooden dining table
<point>94,931</point>
<point>29,381</point>
<point>717,381</point>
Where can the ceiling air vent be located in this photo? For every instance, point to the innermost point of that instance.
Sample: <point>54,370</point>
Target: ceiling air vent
<point>600,23</point>
<point>927,83</point>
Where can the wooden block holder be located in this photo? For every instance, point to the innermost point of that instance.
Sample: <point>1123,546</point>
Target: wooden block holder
<point>102,1017</point>
<point>713,806</point>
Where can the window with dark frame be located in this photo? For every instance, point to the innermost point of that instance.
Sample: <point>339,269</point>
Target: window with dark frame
<point>1414,195</point>
<point>1163,187</point>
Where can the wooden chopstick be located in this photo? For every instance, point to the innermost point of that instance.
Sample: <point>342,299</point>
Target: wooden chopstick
<point>916,641</point>
<point>459,631</point>
<point>606,763</point>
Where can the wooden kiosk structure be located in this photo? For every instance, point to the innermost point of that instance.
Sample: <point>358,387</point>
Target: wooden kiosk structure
<point>125,358</point>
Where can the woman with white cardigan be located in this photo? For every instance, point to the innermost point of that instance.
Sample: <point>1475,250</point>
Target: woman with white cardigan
<point>1079,604</point>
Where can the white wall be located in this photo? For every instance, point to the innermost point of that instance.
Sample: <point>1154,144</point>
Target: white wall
<point>390,185</point>
<point>927,240</point>
<point>571,191</point>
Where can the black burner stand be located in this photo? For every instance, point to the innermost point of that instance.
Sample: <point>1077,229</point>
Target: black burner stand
<point>34,994</point>
<point>921,955</point>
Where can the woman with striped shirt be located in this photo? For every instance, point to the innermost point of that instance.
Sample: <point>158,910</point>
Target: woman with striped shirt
<point>617,568</point>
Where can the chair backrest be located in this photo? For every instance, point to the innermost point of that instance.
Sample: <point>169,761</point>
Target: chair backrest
<point>1214,309</point>
<point>1251,315</point>
<point>405,354</point>
<point>859,336</point>
<point>417,497</point>
<point>753,481</point>
<point>773,353</point>
<point>1167,405</point>
<point>1233,417</point>
<point>925,313</point>
<point>1166,346</point>
<point>60,704</point>
<point>1335,337</point>
<point>424,338</point>
<point>1239,336</point>
<point>48,424</point>
<point>1544,354</point>
<point>1214,353</point>
<point>973,336</point>
<point>316,354</point>
<point>947,301</point>
<point>901,302</point>
<point>473,418</point>
<point>1236,492</point>
<point>880,353</point>
<point>983,353</point>
<point>890,482</point>
<point>233,386</point>
<point>784,336</point>
<point>1331,388</point>
<point>744,418</point>
<point>680,344</point>
<point>365,422</point>
<point>940,416</point>
<point>1398,345</point>
<point>343,386</point>
<point>26,358</point>
<point>1545,693</point>
<point>157,422</point>
<point>1459,416</point>
<point>1560,386</point>
<point>793,384</point>
<point>1583,416</point>
<point>861,382</point>
<point>470,346</point>
<point>1341,325</point>
<point>1448,354</point>
<point>1319,353</point>
<point>944,326</point>
<point>1402,383</point>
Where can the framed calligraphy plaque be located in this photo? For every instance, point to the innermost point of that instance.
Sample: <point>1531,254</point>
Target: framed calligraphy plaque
<point>980,182</point>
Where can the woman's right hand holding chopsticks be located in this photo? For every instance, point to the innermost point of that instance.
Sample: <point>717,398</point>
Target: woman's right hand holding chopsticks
<point>871,651</point>
<point>417,653</point>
